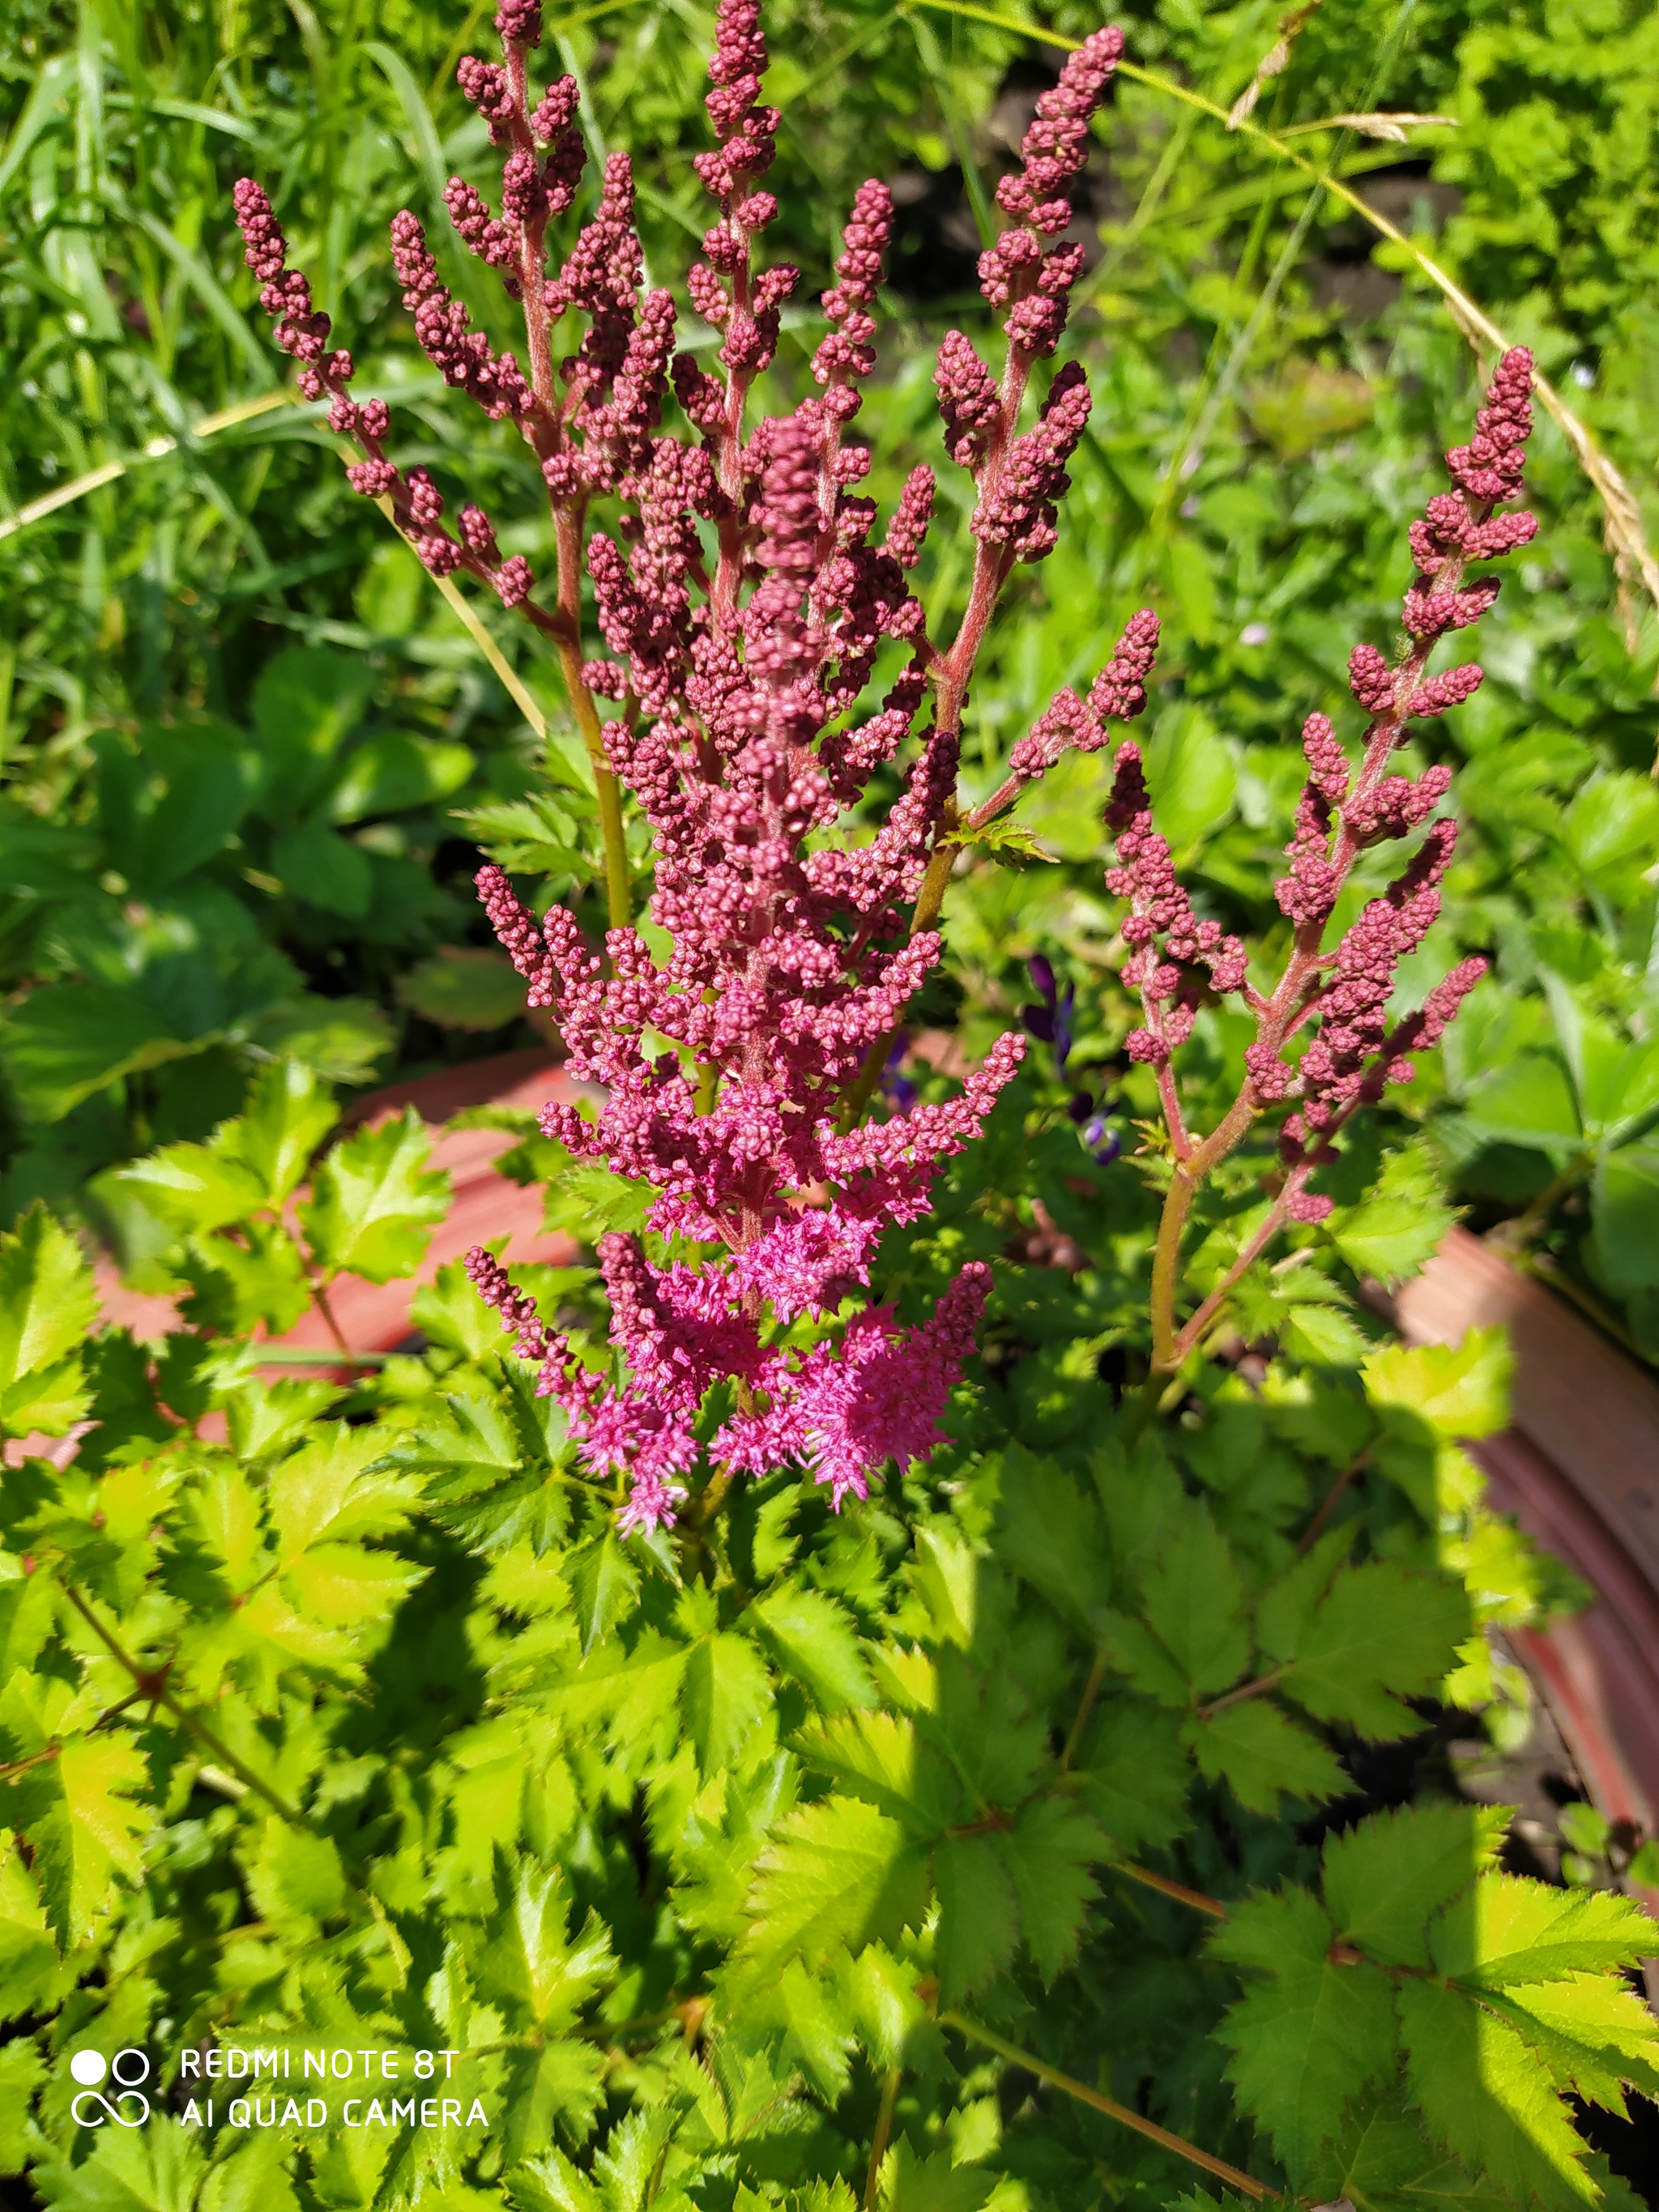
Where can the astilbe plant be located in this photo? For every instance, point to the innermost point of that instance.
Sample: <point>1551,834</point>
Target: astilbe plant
<point>1338,996</point>
<point>318,1729</point>
<point>735,1073</point>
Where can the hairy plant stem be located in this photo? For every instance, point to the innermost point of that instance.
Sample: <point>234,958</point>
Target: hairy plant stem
<point>319,1299</point>
<point>1330,1503</point>
<point>152,1686</point>
<point>1256,1689</point>
<point>1085,1706</point>
<point>889,2089</point>
<point>1245,2184</point>
<point>1165,1887</point>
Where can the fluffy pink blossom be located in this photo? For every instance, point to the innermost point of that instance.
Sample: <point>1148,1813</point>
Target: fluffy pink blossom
<point>746,595</point>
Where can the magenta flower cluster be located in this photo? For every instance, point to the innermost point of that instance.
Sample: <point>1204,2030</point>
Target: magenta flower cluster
<point>1338,998</point>
<point>744,599</point>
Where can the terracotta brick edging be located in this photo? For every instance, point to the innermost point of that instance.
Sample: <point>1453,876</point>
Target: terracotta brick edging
<point>1578,1466</point>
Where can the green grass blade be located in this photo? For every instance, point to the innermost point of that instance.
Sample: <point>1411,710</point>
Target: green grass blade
<point>207,288</point>
<point>52,79</point>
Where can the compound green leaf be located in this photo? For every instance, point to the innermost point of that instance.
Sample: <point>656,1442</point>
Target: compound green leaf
<point>194,1188</point>
<point>1383,2162</point>
<point>1385,1878</point>
<point>532,1963</point>
<point>347,1586</point>
<point>836,1873</point>
<point>1594,2033</point>
<point>48,1300</point>
<point>1135,1775</point>
<point>1052,1854</point>
<point>49,1401</point>
<point>1193,1600</point>
<point>1510,1930</point>
<point>1258,1753</point>
<point>1274,1928</point>
<point>1304,2042</point>
<point>373,1202</point>
<point>1391,1233</point>
<point>1458,1390</point>
<point>29,1976</point>
<point>560,2086</point>
<point>296,1876</point>
<point>881,1757</point>
<point>235,1285</point>
<point>606,1584</point>
<point>726,1693</point>
<point>1379,1635</point>
<point>330,1488</point>
<point>1049,1533</point>
<point>978,1919</point>
<point>985,1727</point>
<point>90,1831</point>
<point>813,1638</point>
<point>288,1115</point>
<point>1486,2097</point>
<point>914,2182</point>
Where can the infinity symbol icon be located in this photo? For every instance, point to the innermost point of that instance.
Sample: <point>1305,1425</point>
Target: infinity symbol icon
<point>122,2097</point>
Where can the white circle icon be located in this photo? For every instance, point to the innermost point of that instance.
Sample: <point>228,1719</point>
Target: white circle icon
<point>88,2068</point>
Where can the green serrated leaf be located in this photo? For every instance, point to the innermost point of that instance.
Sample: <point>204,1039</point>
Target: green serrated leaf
<point>194,1188</point>
<point>89,1829</point>
<point>1457,1390</point>
<point>914,2181</point>
<point>1051,1855</point>
<point>1508,1930</point>
<point>331,1488</point>
<point>882,1758</point>
<point>813,1638</point>
<point>1486,2097</point>
<point>1596,2036</point>
<point>728,1694</point>
<point>1135,1775</point>
<point>532,1962</point>
<point>288,1115</point>
<point>1400,1224</point>
<point>978,1916</point>
<point>1049,1531</point>
<point>295,1876</point>
<point>1386,1877</point>
<point>374,1203</point>
<point>1378,1636</point>
<point>48,1303</point>
<point>1258,1753</point>
<point>29,1975</point>
<point>1304,2042</point>
<point>1193,1600</point>
<point>605,1585</point>
<point>836,1874</point>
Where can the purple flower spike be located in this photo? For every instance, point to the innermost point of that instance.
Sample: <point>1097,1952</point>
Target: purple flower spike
<point>744,594</point>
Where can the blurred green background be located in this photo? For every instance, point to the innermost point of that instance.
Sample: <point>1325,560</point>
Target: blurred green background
<point>247,749</point>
